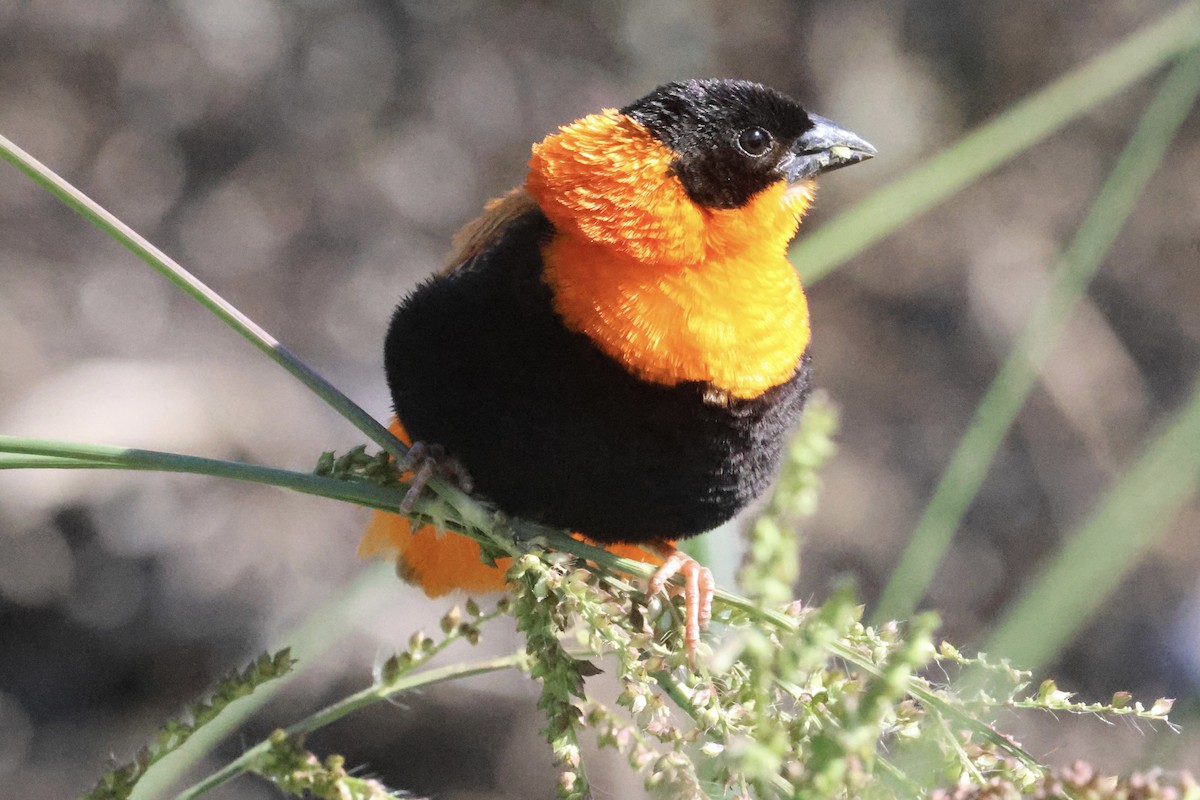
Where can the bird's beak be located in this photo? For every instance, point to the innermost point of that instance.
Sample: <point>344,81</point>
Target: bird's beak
<point>824,147</point>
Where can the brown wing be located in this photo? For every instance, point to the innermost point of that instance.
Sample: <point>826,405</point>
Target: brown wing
<point>497,213</point>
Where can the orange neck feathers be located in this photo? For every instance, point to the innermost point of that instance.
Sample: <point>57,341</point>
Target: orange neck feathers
<point>673,291</point>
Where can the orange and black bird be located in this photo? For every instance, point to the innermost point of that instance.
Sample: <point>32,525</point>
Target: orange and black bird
<point>620,346</point>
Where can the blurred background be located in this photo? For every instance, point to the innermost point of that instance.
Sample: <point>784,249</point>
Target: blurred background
<point>310,161</point>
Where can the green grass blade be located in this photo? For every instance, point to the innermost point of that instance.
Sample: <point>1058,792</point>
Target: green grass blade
<point>1024,125</point>
<point>21,453</point>
<point>20,461</point>
<point>1004,398</point>
<point>1092,562</point>
<point>92,211</point>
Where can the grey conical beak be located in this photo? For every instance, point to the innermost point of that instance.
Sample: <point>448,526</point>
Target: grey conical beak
<point>825,147</point>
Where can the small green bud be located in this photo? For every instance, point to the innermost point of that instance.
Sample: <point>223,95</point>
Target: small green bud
<point>390,670</point>
<point>450,621</point>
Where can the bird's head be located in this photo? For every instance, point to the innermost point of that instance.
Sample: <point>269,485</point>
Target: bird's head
<point>694,168</point>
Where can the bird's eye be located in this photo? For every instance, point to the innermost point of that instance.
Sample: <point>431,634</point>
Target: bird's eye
<point>754,141</point>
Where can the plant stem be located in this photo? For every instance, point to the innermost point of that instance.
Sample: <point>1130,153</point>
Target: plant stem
<point>322,630</point>
<point>43,454</point>
<point>675,691</point>
<point>104,220</point>
<point>366,697</point>
<point>18,461</point>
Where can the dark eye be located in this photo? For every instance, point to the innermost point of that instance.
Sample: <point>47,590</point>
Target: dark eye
<point>754,141</point>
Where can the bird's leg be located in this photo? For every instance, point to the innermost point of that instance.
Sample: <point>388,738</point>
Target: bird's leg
<point>425,461</point>
<point>697,591</point>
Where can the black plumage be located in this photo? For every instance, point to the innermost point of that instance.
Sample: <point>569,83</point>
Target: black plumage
<point>552,429</point>
<point>704,121</point>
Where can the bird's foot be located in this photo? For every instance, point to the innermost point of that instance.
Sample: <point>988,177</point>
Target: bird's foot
<point>697,592</point>
<point>426,461</point>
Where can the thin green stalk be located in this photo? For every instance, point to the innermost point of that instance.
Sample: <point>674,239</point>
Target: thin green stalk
<point>675,690</point>
<point>1090,565</point>
<point>308,643</point>
<point>366,697</point>
<point>225,311</point>
<point>56,454</point>
<point>17,461</point>
<point>1016,130</point>
<point>321,631</point>
<point>469,516</point>
<point>43,453</point>
<point>963,476</point>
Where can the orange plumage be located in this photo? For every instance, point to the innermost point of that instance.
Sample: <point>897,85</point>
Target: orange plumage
<point>674,291</point>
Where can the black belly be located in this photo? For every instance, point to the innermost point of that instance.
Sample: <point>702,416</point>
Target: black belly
<point>552,429</point>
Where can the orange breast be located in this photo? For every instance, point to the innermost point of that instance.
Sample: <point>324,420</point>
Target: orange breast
<point>673,291</point>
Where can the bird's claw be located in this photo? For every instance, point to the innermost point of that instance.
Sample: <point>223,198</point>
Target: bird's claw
<point>698,589</point>
<point>426,461</point>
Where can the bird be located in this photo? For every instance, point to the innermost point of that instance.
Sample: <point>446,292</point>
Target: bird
<point>619,347</point>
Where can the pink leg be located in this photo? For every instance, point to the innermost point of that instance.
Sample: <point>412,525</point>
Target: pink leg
<point>698,591</point>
